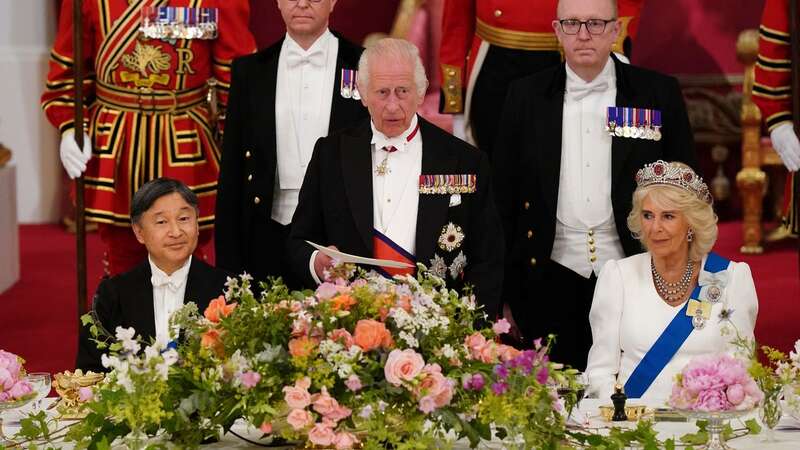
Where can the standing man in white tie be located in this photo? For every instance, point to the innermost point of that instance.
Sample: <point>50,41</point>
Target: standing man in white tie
<point>282,100</point>
<point>397,187</point>
<point>571,139</point>
<point>164,215</point>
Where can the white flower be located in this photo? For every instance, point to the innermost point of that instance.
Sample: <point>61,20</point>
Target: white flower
<point>170,356</point>
<point>448,351</point>
<point>125,334</point>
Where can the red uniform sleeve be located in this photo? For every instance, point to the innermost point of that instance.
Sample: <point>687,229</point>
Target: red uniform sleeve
<point>234,40</point>
<point>773,72</point>
<point>58,99</point>
<point>458,31</point>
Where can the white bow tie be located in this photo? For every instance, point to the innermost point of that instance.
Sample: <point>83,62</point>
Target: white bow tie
<point>159,280</point>
<point>296,58</point>
<point>582,91</point>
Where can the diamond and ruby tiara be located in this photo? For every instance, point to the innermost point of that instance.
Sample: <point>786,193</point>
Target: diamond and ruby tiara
<point>662,172</point>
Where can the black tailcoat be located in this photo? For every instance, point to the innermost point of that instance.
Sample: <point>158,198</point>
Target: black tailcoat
<point>336,207</point>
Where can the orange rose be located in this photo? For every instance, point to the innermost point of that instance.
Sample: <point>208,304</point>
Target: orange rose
<point>342,302</point>
<point>218,309</point>
<point>371,334</point>
<point>211,340</point>
<point>302,346</point>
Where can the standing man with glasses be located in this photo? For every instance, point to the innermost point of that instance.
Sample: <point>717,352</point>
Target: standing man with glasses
<point>487,44</point>
<point>570,141</point>
<point>282,100</point>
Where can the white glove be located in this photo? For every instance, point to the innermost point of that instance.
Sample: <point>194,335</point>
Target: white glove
<point>72,158</point>
<point>786,145</point>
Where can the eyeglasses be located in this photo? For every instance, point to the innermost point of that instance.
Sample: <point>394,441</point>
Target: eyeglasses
<point>593,26</point>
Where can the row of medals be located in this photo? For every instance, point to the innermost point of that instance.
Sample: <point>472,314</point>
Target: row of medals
<point>155,30</point>
<point>632,131</point>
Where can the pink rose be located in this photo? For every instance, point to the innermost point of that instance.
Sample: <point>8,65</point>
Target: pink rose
<point>299,419</point>
<point>474,342</point>
<point>735,394</point>
<point>326,290</point>
<point>402,365</point>
<point>321,434</point>
<point>353,383</point>
<point>507,352</point>
<point>20,389</point>
<point>341,336</point>
<point>501,327</point>
<point>339,412</point>
<point>4,396</point>
<point>85,394</point>
<point>300,327</point>
<point>323,402</point>
<point>487,353</point>
<point>266,428</point>
<point>296,398</point>
<point>249,379</point>
<point>344,440</point>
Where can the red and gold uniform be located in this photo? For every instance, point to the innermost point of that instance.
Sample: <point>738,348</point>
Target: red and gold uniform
<point>772,89</point>
<point>521,41</point>
<point>146,102</point>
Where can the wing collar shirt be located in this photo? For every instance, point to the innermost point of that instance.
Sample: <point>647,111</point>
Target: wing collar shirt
<point>395,194</point>
<point>302,114</point>
<point>586,235</point>
<point>168,293</point>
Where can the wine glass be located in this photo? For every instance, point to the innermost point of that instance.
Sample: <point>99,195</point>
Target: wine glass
<point>40,382</point>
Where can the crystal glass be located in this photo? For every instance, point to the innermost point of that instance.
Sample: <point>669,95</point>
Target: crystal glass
<point>40,382</point>
<point>716,425</point>
<point>791,393</point>
<point>770,413</point>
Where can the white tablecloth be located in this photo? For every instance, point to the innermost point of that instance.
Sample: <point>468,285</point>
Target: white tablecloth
<point>787,432</point>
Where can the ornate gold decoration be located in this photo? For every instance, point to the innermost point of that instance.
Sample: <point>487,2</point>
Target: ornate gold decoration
<point>451,87</point>
<point>148,61</point>
<point>68,384</point>
<point>634,412</point>
<point>520,40</point>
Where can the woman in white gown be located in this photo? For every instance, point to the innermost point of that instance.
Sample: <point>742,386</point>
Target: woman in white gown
<point>654,311</point>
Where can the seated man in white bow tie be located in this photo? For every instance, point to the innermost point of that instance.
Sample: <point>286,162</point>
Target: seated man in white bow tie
<point>164,214</point>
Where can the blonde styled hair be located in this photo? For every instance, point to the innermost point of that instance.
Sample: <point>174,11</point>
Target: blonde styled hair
<point>699,215</point>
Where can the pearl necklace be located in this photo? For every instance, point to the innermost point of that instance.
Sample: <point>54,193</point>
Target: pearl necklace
<point>672,292</point>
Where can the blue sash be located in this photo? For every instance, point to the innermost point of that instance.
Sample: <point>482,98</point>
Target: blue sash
<point>670,340</point>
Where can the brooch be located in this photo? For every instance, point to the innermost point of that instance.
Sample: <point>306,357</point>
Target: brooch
<point>451,237</point>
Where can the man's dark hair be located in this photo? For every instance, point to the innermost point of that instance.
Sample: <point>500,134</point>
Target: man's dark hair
<point>153,190</point>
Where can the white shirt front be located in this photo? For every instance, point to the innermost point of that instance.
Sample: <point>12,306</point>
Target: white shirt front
<point>628,316</point>
<point>586,235</point>
<point>395,195</point>
<point>302,114</point>
<point>168,293</point>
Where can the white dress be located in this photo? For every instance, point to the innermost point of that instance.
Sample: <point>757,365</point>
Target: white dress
<point>627,317</point>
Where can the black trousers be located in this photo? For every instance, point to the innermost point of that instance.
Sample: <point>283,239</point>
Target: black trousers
<point>277,264</point>
<point>564,300</point>
<point>500,67</point>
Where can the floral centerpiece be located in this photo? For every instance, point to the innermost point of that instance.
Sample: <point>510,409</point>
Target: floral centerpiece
<point>13,387</point>
<point>363,361</point>
<point>715,383</point>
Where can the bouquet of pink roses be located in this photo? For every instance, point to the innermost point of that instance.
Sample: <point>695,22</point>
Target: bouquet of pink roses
<point>715,383</point>
<point>13,386</point>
